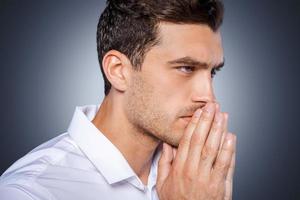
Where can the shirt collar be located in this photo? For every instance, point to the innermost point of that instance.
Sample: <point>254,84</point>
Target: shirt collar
<point>100,150</point>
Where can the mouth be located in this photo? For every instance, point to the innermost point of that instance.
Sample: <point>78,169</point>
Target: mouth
<point>186,118</point>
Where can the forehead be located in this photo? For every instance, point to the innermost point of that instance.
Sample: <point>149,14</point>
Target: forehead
<point>193,40</point>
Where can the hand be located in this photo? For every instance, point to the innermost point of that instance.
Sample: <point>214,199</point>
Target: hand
<point>203,166</point>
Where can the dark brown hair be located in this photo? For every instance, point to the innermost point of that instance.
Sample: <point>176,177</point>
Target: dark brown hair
<point>131,26</point>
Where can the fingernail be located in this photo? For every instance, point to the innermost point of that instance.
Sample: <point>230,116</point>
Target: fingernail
<point>219,117</point>
<point>229,139</point>
<point>226,116</point>
<point>210,107</point>
<point>217,107</point>
<point>198,113</point>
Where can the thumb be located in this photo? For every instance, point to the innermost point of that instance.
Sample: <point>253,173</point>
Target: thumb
<point>164,164</point>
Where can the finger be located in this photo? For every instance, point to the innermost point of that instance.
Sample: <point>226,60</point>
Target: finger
<point>229,179</point>
<point>217,107</point>
<point>184,143</point>
<point>212,144</point>
<point>225,131</point>
<point>221,166</point>
<point>199,137</point>
<point>164,164</point>
<point>174,151</point>
<point>230,173</point>
<point>229,176</point>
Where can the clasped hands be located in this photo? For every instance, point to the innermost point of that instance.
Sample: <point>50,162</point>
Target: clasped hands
<point>203,166</point>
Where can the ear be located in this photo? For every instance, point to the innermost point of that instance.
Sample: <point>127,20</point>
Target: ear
<point>116,67</point>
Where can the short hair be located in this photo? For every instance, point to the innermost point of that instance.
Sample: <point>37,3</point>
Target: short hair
<point>131,26</point>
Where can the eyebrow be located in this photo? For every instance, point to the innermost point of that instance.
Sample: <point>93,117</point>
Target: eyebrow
<point>187,60</point>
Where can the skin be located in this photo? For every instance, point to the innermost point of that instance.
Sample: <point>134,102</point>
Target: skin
<point>208,176</point>
<point>151,106</point>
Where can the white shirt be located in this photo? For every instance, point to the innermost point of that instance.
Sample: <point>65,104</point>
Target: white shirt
<point>79,164</point>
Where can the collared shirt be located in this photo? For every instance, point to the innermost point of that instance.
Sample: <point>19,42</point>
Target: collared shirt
<point>79,164</point>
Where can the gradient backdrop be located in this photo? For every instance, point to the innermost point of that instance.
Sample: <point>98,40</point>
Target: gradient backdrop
<point>49,65</point>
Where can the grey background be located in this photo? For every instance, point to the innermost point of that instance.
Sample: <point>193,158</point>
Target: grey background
<point>49,65</point>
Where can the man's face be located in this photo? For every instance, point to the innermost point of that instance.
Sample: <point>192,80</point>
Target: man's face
<point>175,80</point>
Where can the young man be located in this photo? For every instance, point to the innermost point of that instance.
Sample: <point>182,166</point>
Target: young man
<point>159,133</point>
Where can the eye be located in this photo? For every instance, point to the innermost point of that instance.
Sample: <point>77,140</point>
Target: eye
<point>186,69</point>
<point>214,71</point>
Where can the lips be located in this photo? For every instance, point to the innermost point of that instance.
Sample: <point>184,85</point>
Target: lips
<point>187,118</point>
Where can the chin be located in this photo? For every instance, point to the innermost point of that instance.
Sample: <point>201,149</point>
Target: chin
<point>173,135</point>
<point>173,141</point>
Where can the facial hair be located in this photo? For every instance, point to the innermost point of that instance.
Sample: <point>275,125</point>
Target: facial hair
<point>145,113</point>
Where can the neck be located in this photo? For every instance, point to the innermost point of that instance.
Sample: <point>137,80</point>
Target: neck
<point>137,148</point>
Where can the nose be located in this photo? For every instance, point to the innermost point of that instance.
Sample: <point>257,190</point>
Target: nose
<point>203,91</point>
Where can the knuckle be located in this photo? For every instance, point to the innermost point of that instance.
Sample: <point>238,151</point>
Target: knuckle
<point>188,176</point>
<point>201,181</point>
<point>227,149</point>
<point>206,116</point>
<point>194,121</point>
<point>208,151</point>
<point>221,166</point>
<point>213,189</point>
<point>176,172</point>
<point>185,141</point>
<point>196,138</point>
<point>215,128</point>
<point>218,123</point>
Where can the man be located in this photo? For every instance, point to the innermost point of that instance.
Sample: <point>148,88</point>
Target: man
<point>159,133</point>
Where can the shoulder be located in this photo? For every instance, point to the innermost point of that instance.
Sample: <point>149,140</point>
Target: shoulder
<point>10,192</point>
<point>26,177</point>
<point>16,192</point>
<point>37,160</point>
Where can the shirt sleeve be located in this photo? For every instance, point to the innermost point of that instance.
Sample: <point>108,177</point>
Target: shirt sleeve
<point>9,193</point>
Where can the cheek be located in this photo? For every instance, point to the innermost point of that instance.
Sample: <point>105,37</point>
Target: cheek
<point>171,92</point>
<point>167,86</point>
<point>170,103</point>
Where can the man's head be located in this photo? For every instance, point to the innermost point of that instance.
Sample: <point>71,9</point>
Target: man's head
<point>160,56</point>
